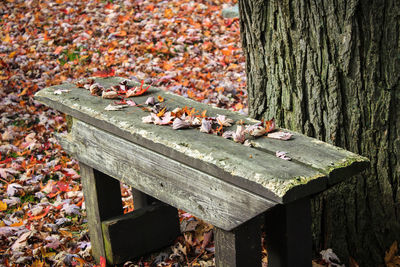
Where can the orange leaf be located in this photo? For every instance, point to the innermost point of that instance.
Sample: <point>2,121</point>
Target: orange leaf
<point>12,54</point>
<point>239,106</point>
<point>168,65</point>
<point>24,91</point>
<point>58,50</point>
<point>80,261</point>
<point>161,113</point>
<point>65,233</point>
<point>150,7</point>
<point>191,94</point>
<point>226,52</point>
<point>168,13</point>
<point>270,125</point>
<point>160,98</point>
<point>17,224</point>
<point>121,34</point>
<point>3,206</point>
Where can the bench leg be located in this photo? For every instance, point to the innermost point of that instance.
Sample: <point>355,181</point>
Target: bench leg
<point>102,200</point>
<point>288,234</point>
<point>240,247</point>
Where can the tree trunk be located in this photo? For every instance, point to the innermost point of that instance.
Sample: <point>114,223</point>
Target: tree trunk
<point>331,69</point>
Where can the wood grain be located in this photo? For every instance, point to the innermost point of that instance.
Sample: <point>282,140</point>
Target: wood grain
<point>217,202</point>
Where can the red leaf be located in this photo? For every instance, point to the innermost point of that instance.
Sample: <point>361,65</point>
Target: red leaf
<point>105,73</point>
<point>102,261</point>
<point>63,186</point>
<point>38,217</point>
<point>57,167</point>
<point>270,125</point>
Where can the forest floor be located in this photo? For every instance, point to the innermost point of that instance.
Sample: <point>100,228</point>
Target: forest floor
<point>184,46</point>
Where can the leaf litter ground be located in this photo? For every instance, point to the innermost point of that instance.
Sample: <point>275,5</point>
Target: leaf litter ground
<point>182,46</point>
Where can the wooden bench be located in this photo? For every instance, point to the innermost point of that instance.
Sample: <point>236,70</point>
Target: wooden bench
<point>234,187</point>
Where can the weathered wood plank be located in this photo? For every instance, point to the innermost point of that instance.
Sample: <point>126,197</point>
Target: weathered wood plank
<point>288,234</point>
<point>102,200</point>
<point>142,231</point>
<point>240,247</point>
<point>217,202</point>
<point>213,154</point>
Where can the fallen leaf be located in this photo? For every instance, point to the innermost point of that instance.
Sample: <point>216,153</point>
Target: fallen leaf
<point>280,135</point>
<point>180,124</point>
<point>224,121</point>
<point>109,94</point>
<point>131,103</point>
<point>13,188</point>
<point>3,206</point>
<point>104,74</point>
<point>270,125</point>
<point>330,257</point>
<point>239,135</point>
<point>103,261</point>
<point>391,259</point>
<point>206,126</point>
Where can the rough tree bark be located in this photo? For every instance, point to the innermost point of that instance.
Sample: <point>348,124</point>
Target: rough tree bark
<point>331,69</point>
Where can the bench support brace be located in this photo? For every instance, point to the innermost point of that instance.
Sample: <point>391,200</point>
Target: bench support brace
<point>288,234</point>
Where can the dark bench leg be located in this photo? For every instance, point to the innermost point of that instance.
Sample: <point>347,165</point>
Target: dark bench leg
<point>240,247</point>
<point>288,234</point>
<point>103,201</point>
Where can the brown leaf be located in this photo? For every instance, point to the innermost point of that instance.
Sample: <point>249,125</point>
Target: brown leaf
<point>389,255</point>
<point>207,238</point>
<point>353,263</point>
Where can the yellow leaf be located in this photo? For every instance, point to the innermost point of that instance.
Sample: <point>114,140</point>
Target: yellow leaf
<point>162,112</point>
<point>7,38</point>
<point>37,263</point>
<point>46,254</point>
<point>3,206</point>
